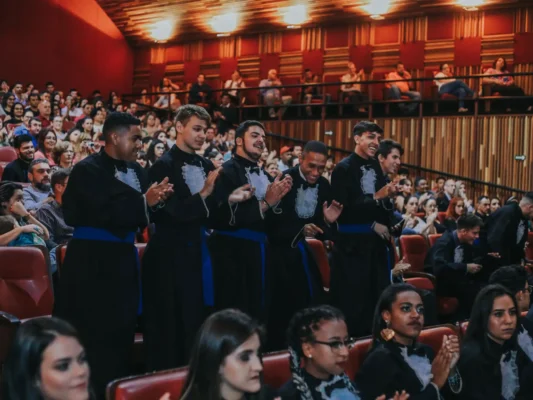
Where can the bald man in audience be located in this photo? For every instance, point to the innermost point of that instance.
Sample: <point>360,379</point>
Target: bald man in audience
<point>45,110</point>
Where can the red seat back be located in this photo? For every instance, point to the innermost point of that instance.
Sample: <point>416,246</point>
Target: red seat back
<point>25,289</point>
<point>321,257</point>
<point>149,386</point>
<point>421,283</point>
<point>7,154</point>
<point>441,216</point>
<point>432,337</point>
<point>414,250</point>
<point>251,95</point>
<point>433,238</point>
<point>276,370</point>
<point>332,90</point>
<point>292,91</point>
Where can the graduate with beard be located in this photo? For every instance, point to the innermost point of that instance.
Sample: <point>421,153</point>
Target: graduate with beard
<point>238,246</point>
<point>177,274</point>
<point>362,257</point>
<point>106,201</point>
<point>308,211</point>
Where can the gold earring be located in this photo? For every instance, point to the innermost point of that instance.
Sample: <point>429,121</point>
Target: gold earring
<point>387,334</point>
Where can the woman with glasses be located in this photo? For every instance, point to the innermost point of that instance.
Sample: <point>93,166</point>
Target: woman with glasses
<point>7,104</point>
<point>397,361</point>
<point>18,115</point>
<point>492,364</point>
<point>63,155</point>
<point>319,345</point>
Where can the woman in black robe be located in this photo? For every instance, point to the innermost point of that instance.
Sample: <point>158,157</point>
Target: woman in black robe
<point>397,362</point>
<point>492,364</point>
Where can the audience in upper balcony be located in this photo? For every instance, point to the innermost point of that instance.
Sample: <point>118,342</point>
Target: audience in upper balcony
<point>311,90</point>
<point>167,99</point>
<point>17,170</point>
<point>201,92</point>
<point>504,85</point>
<point>149,126</point>
<point>274,95</point>
<point>351,89</point>
<point>402,87</point>
<point>234,84</point>
<point>45,145</point>
<point>37,193</point>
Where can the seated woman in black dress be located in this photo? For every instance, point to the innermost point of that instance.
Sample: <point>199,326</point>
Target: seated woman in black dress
<point>492,364</point>
<point>318,345</point>
<point>397,362</point>
<point>455,210</point>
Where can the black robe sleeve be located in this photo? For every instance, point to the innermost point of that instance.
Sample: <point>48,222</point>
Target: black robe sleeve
<point>481,378</point>
<point>442,260</point>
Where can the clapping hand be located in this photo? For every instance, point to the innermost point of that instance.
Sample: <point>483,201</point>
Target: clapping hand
<point>241,194</point>
<point>158,192</point>
<point>311,230</point>
<point>209,184</point>
<point>332,212</point>
<point>278,189</point>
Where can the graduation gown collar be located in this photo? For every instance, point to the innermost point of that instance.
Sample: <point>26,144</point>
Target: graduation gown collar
<point>120,165</point>
<point>245,163</point>
<point>175,152</point>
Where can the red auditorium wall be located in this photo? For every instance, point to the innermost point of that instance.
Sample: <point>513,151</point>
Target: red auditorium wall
<point>72,42</point>
<point>469,41</point>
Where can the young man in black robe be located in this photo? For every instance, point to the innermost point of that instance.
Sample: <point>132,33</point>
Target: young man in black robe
<point>507,231</point>
<point>177,274</point>
<point>238,244</point>
<point>308,211</point>
<point>99,286</point>
<point>453,262</point>
<point>362,257</point>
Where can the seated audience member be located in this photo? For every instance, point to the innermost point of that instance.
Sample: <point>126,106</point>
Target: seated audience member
<point>155,151</point>
<point>8,102</point>
<point>167,99</point>
<point>422,189</point>
<point>161,136</point>
<point>311,89</point>
<point>45,145</point>
<point>318,346</point>
<point>33,104</point>
<point>456,209</point>
<point>443,200</point>
<point>494,204</point>
<point>5,136</point>
<point>63,155</point>
<point>34,129</point>
<point>226,359</point>
<point>397,362</point>
<point>431,214</point>
<point>46,361</point>
<point>149,126</point>
<point>57,126</point>
<point>86,126</point>
<point>87,109</point>
<point>141,159</point>
<point>271,96</point>
<point>406,188</point>
<point>51,213</point>
<point>37,193</point>
<point>87,147</point>
<point>439,185</point>
<point>272,169</point>
<point>18,114</point>
<point>460,191</point>
<point>215,157</point>
<point>330,164</point>
<point>146,141</point>
<point>411,224</point>
<point>45,112</point>
<point>402,87</point>
<point>504,85</point>
<point>351,89</point>
<point>514,279</point>
<point>171,136</point>
<point>232,85</point>
<point>226,115</point>
<point>285,157</point>
<point>482,208</point>
<point>98,115</point>
<point>18,92</point>
<point>492,364</point>
<point>19,227</point>
<point>453,262</point>
<point>449,85</point>
<point>24,128</point>
<point>17,170</point>
<point>200,91</point>
<point>73,137</point>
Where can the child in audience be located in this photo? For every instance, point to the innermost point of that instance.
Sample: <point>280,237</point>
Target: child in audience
<point>27,234</point>
<point>226,360</point>
<point>397,361</point>
<point>492,364</point>
<point>318,338</point>
<point>46,361</point>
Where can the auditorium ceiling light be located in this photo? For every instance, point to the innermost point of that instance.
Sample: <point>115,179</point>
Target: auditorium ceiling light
<point>377,8</point>
<point>162,30</point>
<point>470,5</point>
<point>294,15</point>
<point>224,23</point>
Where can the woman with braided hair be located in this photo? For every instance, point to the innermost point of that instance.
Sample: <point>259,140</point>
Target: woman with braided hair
<point>319,345</point>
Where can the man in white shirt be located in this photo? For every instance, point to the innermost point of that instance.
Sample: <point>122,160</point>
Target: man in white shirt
<point>270,96</point>
<point>449,85</point>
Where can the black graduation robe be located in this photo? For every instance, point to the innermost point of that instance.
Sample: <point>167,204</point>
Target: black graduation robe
<point>496,373</point>
<point>99,285</point>
<point>238,247</point>
<point>296,281</point>
<point>390,367</point>
<point>448,260</point>
<point>334,388</point>
<point>507,231</point>
<point>172,273</point>
<point>361,261</point>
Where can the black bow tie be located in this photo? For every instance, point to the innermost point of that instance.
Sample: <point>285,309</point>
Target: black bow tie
<point>121,166</point>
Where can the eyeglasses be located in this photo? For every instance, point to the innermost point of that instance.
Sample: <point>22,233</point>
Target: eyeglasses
<point>337,345</point>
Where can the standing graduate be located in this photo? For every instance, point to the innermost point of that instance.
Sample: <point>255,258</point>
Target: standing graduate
<point>362,257</point>
<point>176,275</point>
<point>238,244</point>
<point>507,230</point>
<point>308,211</point>
<point>99,286</point>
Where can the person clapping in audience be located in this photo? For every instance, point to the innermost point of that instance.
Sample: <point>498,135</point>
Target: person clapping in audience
<point>492,364</point>
<point>226,360</point>
<point>455,210</point>
<point>397,361</point>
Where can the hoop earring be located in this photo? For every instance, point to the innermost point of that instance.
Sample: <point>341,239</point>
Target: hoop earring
<point>387,334</point>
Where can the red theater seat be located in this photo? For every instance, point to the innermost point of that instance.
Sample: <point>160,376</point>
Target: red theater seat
<point>321,258</point>
<point>276,369</point>
<point>441,216</point>
<point>421,283</point>
<point>414,250</point>
<point>25,289</point>
<point>7,154</point>
<point>433,239</point>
